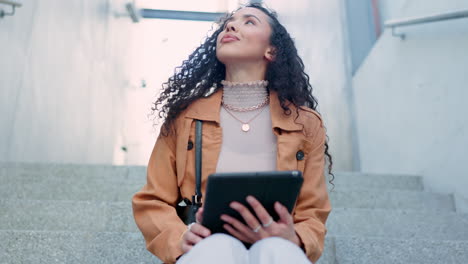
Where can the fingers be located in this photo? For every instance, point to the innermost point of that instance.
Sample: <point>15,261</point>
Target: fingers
<point>192,239</point>
<point>249,218</point>
<point>243,229</point>
<point>285,216</point>
<point>237,234</point>
<point>200,230</point>
<point>189,240</point>
<point>260,211</point>
<point>186,247</point>
<point>238,229</point>
<point>192,236</point>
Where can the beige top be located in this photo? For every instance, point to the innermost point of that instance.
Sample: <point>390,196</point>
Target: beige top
<point>254,150</point>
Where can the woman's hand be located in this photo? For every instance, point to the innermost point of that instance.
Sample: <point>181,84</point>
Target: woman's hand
<point>255,230</point>
<point>195,233</point>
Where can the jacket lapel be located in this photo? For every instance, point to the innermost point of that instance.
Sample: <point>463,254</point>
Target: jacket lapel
<point>208,109</point>
<point>279,119</point>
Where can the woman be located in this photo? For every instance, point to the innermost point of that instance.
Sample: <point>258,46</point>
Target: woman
<point>248,85</point>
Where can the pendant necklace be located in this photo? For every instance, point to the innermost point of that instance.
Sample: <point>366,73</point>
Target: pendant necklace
<point>252,89</point>
<point>245,125</point>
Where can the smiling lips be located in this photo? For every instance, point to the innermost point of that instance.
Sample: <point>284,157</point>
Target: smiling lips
<point>229,38</point>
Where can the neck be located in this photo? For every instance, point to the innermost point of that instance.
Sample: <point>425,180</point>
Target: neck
<point>245,96</point>
<point>245,72</point>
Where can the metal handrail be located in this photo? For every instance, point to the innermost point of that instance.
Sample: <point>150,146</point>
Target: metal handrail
<point>9,2</point>
<point>13,5</point>
<point>423,19</point>
<point>181,15</point>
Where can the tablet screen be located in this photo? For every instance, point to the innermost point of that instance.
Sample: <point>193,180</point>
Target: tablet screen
<point>266,186</point>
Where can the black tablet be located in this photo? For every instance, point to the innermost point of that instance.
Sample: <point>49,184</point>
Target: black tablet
<point>267,187</point>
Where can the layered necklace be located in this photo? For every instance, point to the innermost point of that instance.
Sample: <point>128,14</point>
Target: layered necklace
<point>244,97</point>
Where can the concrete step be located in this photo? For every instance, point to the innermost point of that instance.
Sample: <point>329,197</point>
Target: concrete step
<point>345,198</point>
<point>73,247</point>
<point>113,247</point>
<point>402,224</point>
<point>373,181</point>
<point>70,181</point>
<point>117,217</point>
<point>93,191</point>
<point>66,215</point>
<point>72,172</point>
<point>350,250</point>
<point>119,183</point>
<point>80,190</point>
<point>392,199</point>
<point>71,213</point>
<point>113,214</point>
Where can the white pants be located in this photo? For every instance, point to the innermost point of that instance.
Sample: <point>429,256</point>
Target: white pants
<point>222,248</point>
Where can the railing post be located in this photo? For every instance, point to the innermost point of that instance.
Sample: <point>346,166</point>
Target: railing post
<point>402,36</point>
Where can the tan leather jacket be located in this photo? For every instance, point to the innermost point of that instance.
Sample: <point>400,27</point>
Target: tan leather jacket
<point>171,174</point>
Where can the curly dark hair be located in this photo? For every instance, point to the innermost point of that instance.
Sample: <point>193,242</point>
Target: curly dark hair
<point>202,73</point>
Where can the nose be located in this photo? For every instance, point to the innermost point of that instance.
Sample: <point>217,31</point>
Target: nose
<point>230,27</point>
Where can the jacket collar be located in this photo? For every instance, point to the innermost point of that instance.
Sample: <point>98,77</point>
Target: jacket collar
<point>208,109</point>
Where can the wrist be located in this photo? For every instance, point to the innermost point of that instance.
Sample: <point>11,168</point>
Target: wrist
<point>181,239</point>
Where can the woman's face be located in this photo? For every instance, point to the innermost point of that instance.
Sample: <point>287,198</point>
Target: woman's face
<point>245,38</point>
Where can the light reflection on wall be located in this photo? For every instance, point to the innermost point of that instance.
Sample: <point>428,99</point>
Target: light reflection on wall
<point>158,46</point>
<point>191,5</point>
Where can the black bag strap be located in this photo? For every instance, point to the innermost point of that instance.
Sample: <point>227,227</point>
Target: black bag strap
<point>196,199</point>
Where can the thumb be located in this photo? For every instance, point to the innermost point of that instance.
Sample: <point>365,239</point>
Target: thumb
<point>199,215</point>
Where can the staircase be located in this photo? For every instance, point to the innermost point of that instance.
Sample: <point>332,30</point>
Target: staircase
<point>62,213</point>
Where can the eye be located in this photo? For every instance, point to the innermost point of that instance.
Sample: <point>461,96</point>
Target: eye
<point>249,21</point>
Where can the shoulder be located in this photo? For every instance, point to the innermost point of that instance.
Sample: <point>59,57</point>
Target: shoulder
<point>170,131</point>
<point>310,119</point>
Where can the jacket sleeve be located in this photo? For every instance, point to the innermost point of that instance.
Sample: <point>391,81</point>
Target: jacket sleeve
<point>154,205</point>
<point>313,205</point>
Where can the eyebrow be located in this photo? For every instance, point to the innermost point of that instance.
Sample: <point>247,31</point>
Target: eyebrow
<point>244,16</point>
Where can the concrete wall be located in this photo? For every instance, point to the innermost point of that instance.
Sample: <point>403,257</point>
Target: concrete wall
<point>62,74</point>
<point>320,33</point>
<point>411,100</point>
<point>361,29</point>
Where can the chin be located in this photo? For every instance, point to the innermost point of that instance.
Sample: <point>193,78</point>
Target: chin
<point>226,57</point>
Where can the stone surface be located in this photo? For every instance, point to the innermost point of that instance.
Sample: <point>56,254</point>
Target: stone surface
<point>92,190</point>
<point>71,172</point>
<point>66,215</point>
<point>392,199</point>
<point>398,224</point>
<point>360,181</point>
<point>72,247</point>
<point>110,247</point>
<point>117,216</point>
<point>119,183</point>
<point>399,251</point>
<point>69,213</point>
